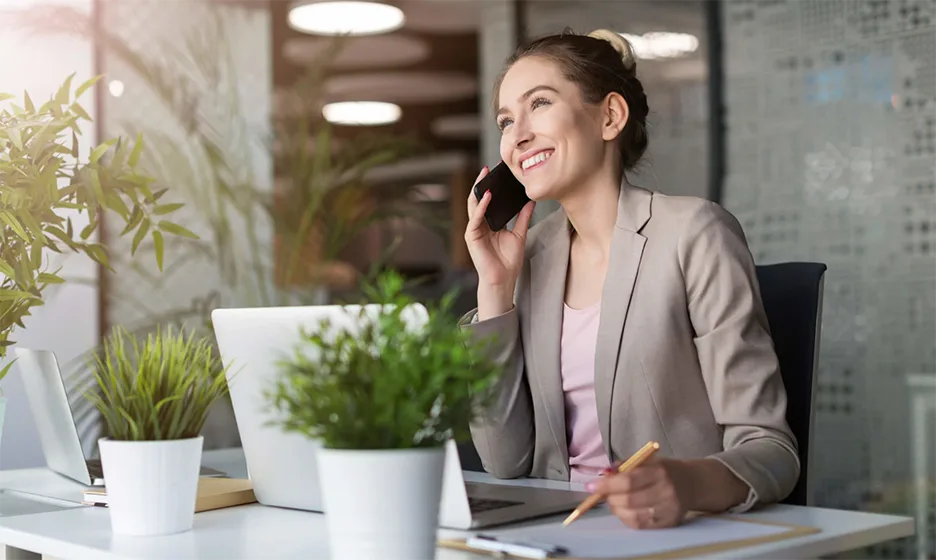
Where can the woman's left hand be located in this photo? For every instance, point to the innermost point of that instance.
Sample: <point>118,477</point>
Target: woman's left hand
<point>654,495</point>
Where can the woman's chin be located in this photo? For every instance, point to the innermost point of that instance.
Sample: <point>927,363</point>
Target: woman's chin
<point>539,193</point>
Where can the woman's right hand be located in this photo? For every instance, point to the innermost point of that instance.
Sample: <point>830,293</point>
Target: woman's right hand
<point>497,255</point>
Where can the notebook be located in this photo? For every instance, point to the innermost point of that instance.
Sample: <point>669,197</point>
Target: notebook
<point>604,536</point>
<point>213,493</point>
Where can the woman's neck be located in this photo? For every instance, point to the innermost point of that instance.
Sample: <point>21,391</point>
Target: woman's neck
<point>592,210</point>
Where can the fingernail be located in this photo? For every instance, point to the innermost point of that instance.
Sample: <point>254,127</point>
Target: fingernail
<point>607,471</point>
<point>590,486</point>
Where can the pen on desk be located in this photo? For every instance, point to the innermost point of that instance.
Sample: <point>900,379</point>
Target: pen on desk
<point>635,460</point>
<point>515,548</point>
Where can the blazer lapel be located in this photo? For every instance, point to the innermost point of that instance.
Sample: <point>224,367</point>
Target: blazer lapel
<point>548,269</point>
<point>627,246</point>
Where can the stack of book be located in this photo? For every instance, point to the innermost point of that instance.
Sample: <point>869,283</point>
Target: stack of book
<point>213,493</point>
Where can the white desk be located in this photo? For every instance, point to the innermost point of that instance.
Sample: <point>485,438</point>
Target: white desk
<point>254,532</point>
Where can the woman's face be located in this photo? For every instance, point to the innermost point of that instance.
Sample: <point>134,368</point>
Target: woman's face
<point>550,138</point>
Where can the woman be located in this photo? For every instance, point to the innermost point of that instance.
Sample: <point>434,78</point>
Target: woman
<point>626,316</point>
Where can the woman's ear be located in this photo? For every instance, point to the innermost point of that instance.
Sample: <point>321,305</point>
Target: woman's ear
<point>614,116</point>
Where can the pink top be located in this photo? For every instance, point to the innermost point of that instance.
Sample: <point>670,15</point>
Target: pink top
<point>587,457</point>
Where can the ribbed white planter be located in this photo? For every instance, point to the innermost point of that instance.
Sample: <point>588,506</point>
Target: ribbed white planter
<point>382,503</point>
<point>151,485</point>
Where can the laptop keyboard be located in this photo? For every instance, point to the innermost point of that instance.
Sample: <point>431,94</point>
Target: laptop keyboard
<point>478,505</point>
<point>94,468</point>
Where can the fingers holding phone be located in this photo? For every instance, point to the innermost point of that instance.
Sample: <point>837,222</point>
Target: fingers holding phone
<point>472,199</point>
<point>497,252</point>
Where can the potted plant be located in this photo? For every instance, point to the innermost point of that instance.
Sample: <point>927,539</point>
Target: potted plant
<point>383,395</point>
<point>47,186</point>
<point>154,399</point>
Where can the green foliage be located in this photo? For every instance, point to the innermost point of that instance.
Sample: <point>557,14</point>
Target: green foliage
<point>160,390</point>
<point>381,385</point>
<point>43,178</point>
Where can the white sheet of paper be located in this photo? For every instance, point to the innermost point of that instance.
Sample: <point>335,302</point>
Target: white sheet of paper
<point>605,536</point>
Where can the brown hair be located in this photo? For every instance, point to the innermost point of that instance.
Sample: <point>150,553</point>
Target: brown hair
<point>600,63</point>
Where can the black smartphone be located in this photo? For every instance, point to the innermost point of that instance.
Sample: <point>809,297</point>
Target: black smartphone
<point>508,196</point>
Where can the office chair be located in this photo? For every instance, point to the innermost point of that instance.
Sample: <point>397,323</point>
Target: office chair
<point>792,295</point>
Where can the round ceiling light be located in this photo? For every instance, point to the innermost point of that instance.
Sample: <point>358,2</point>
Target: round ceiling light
<point>345,17</point>
<point>361,113</point>
<point>662,44</point>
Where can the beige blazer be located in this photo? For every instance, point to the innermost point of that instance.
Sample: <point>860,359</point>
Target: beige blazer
<point>683,357</point>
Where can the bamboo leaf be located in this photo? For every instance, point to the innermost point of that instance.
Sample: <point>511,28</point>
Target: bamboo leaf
<point>98,152</point>
<point>96,185</point>
<point>13,133</point>
<point>6,96</point>
<point>140,234</point>
<point>135,217</point>
<point>98,253</point>
<point>28,102</point>
<point>158,248</point>
<point>6,368</point>
<point>11,221</point>
<point>7,270</point>
<point>137,150</point>
<point>13,295</point>
<point>86,85</point>
<point>61,97</point>
<point>77,108</point>
<point>50,278</point>
<point>176,229</point>
<point>162,209</point>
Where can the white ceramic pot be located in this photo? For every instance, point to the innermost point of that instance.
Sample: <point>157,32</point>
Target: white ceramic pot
<point>151,485</point>
<point>382,503</point>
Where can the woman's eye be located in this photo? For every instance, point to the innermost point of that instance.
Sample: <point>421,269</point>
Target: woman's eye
<point>503,123</point>
<point>539,102</point>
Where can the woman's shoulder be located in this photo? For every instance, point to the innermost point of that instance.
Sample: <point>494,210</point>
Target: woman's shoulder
<point>689,216</point>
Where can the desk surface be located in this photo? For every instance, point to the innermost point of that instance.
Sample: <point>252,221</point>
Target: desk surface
<point>255,531</point>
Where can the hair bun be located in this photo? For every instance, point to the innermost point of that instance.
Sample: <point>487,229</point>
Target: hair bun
<point>620,44</point>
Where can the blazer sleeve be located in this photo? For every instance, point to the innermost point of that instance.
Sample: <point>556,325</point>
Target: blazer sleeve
<point>503,434</point>
<point>737,357</point>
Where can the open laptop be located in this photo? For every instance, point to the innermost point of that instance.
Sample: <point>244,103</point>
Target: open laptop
<point>58,433</point>
<point>282,466</point>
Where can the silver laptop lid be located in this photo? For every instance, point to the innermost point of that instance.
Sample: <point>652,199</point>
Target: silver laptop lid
<point>282,466</point>
<point>48,400</point>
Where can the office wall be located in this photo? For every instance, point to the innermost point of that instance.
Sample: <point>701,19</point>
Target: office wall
<point>67,324</point>
<point>677,158</point>
<point>208,134</point>
<point>831,115</point>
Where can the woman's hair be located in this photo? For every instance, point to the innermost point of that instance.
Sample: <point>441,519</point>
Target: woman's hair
<point>600,63</point>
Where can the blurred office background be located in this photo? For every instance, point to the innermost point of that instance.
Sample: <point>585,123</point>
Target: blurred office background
<point>813,121</point>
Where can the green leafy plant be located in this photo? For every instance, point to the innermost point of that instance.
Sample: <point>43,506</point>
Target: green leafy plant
<point>160,390</point>
<point>382,384</point>
<point>43,179</point>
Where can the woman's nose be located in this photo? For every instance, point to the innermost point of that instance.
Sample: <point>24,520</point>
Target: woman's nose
<point>522,133</point>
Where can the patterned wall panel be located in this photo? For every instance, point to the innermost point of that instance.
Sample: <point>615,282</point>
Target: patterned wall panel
<point>831,115</point>
<point>216,61</point>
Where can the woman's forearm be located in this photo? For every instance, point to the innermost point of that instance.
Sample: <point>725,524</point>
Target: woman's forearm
<point>713,487</point>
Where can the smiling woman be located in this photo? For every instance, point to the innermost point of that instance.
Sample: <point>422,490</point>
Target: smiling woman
<point>625,317</point>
